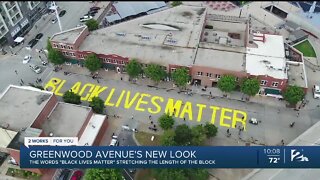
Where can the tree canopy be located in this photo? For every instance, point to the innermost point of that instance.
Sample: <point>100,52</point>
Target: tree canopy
<point>103,174</point>
<point>166,121</point>
<point>227,83</point>
<point>92,24</point>
<point>176,3</point>
<point>49,46</point>
<point>250,86</point>
<point>170,174</point>
<point>183,135</point>
<point>293,94</point>
<point>211,130</point>
<point>180,77</point>
<point>155,72</point>
<point>92,62</point>
<point>97,105</point>
<point>71,97</point>
<point>133,68</point>
<point>56,57</point>
<point>198,135</point>
<point>167,138</point>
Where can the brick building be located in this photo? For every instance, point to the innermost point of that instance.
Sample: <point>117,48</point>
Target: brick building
<point>209,45</point>
<point>36,113</point>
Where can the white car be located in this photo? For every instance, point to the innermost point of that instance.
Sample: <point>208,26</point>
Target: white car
<point>26,59</point>
<point>85,18</point>
<point>114,142</point>
<point>35,68</point>
<point>316,91</point>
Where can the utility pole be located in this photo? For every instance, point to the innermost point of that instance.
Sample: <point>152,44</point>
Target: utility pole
<point>57,14</point>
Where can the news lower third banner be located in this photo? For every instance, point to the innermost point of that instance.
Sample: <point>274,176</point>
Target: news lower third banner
<point>169,157</point>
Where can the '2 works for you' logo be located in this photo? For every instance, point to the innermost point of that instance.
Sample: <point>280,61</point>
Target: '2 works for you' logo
<point>297,156</point>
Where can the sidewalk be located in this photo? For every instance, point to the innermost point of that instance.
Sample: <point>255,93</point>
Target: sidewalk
<point>216,93</point>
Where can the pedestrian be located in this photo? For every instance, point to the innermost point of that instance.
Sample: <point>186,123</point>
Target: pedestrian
<point>184,118</point>
<point>21,84</point>
<point>228,131</point>
<point>114,116</point>
<point>16,72</point>
<point>210,93</point>
<point>242,117</point>
<point>151,122</point>
<point>149,117</point>
<point>40,80</point>
<point>98,81</point>
<point>107,116</point>
<point>21,81</point>
<point>40,57</point>
<point>154,126</point>
<point>121,78</point>
<point>298,114</point>
<point>132,117</point>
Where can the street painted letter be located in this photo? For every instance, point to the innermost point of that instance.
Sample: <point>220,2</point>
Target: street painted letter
<point>107,103</point>
<point>141,101</point>
<point>170,107</point>
<point>201,106</point>
<point>128,103</point>
<point>224,116</point>
<point>214,112</point>
<point>88,94</point>
<point>76,87</point>
<point>97,90</point>
<point>236,118</point>
<point>186,109</point>
<point>153,101</point>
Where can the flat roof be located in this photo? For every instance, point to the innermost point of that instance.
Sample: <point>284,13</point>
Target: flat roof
<point>66,120</point>
<point>166,37</point>
<point>273,45</point>
<point>262,65</point>
<point>21,105</point>
<point>232,61</point>
<point>18,140</point>
<point>297,75</point>
<point>6,137</point>
<point>68,36</point>
<point>309,138</point>
<point>92,129</point>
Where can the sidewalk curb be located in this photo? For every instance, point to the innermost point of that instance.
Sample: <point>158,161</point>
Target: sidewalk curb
<point>135,140</point>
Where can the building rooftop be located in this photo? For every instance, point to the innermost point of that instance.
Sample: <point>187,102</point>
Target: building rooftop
<point>292,25</point>
<point>92,129</point>
<point>127,8</point>
<point>26,103</point>
<point>232,61</point>
<point>308,138</point>
<point>261,61</point>
<point>18,140</point>
<point>66,120</point>
<point>6,137</point>
<point>166,37</point>
<point>68,36</point>
<point>297,75</point>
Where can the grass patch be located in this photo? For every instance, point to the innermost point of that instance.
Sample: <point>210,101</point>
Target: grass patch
<point>144,139</point>
<point>19,173</point>
<point>306,49</point>
<point>144,174</point>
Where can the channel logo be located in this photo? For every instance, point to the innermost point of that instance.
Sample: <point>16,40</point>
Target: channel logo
<point>298,156</point>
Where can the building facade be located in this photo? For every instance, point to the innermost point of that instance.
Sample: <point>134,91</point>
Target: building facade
<point>18,17</point>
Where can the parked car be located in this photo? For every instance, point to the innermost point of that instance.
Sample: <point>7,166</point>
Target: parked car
<point>32,43</point>
<point>64,174</point>
<point>54,20</point>
<point>35,68</point>
<point>26,59</point>
<point>85,18</point>
<point>94,8</point>
<point>62,13</point>
<point>316,91</point>
<point>77,175</point>
<point>92,11</point>
<point>39,36</point>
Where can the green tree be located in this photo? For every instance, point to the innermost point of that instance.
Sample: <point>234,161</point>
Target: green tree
<point>227,83</point>
<point>71,97</point>
<point>293,94</point>
<point>92,62</point>
<point>133,68</point>
<point>250,86</point>
<point>97,105</point>
<point>169,174</point>
<point>155,72</point>
<point>167,138</point>
<point>166,121</point>
<point>183,135</point>
<point>56,57</point>
<point>176,3</point>
<point>103,174</point>
<point>198,135</point>
<point>181,77</point>
<point>49,46</point>
<point>92,24</point>
<point>211,130</point>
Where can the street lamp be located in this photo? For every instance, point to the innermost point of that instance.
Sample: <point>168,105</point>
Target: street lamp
<point>55,7</point>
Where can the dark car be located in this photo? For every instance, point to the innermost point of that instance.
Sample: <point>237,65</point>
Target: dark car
<point>32,43</point>
<point>90,14</point>
<point>95,8</point>
<point>39,36</point>
<point>63,12</point>
<point>77,175</point>
<point>64,174</point>
<point>93,11</point>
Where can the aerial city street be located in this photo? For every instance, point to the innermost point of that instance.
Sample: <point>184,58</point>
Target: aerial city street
<point>159,73</point>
